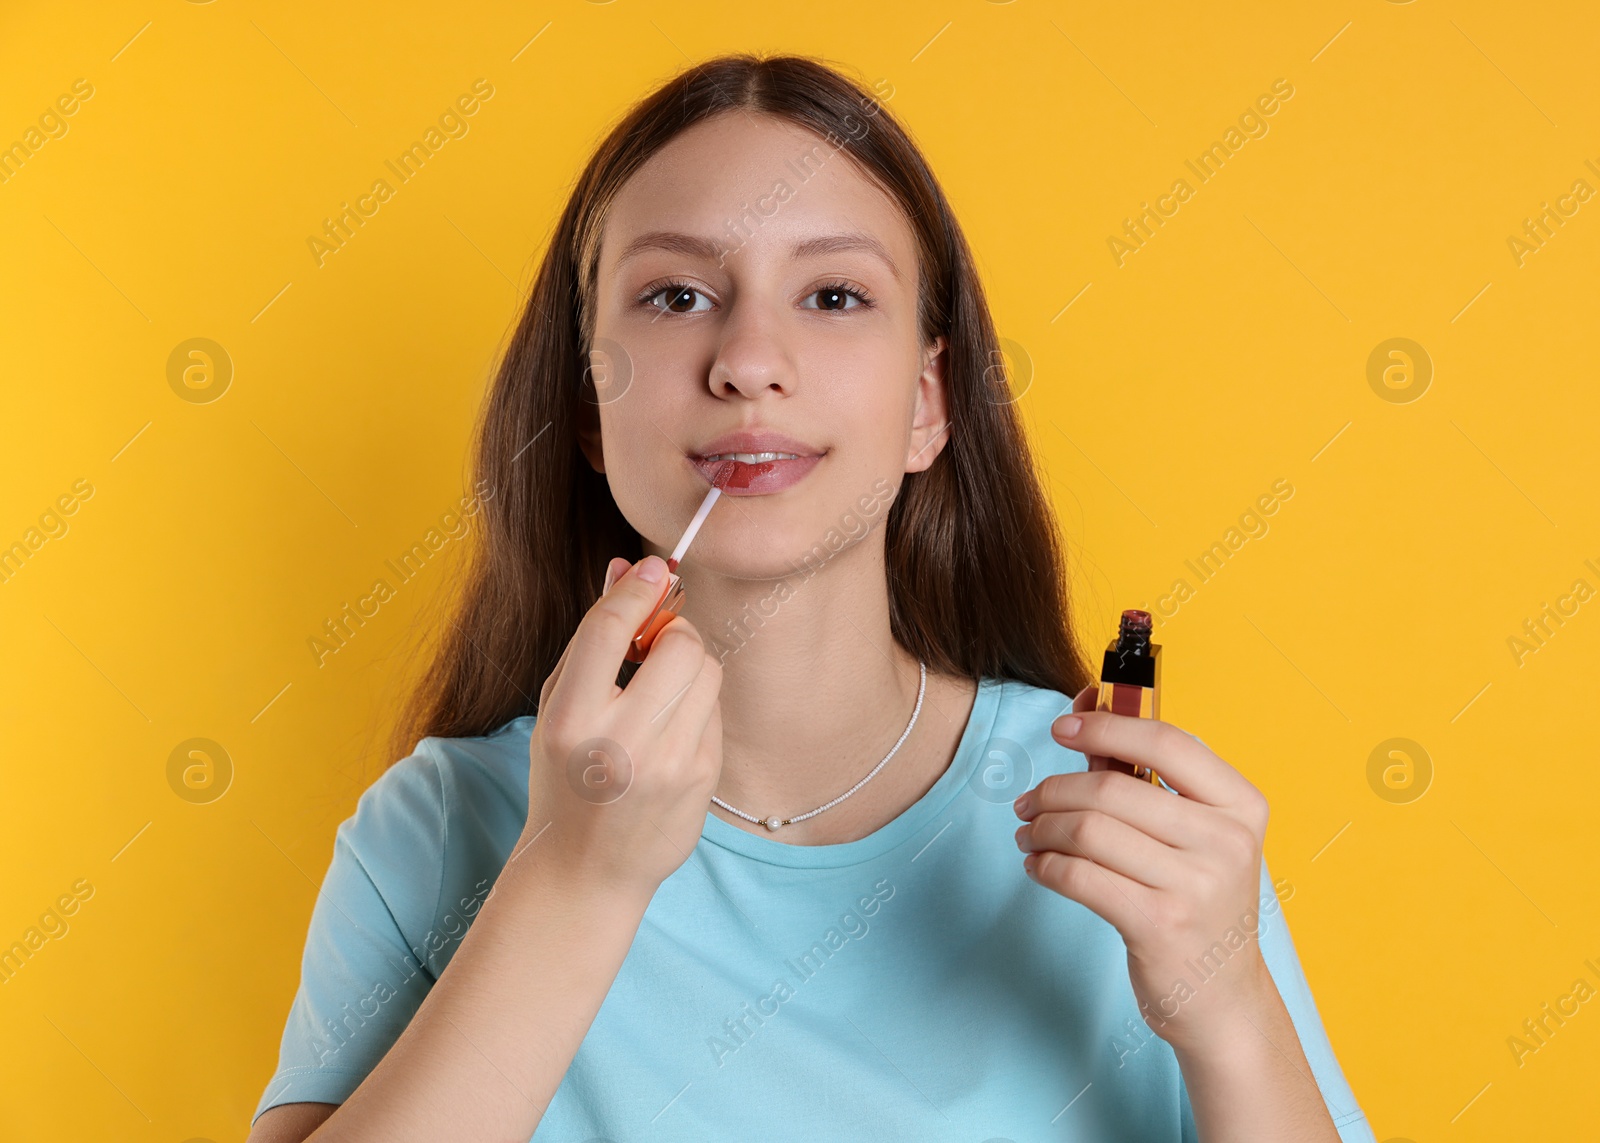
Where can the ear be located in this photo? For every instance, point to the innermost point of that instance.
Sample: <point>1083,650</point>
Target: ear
<point>930,421</point>
<point>589,427</point>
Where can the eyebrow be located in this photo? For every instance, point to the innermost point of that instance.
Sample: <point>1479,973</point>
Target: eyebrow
<point>697,247</point>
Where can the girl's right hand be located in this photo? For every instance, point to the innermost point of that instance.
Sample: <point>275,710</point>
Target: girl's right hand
<point>620,780</point>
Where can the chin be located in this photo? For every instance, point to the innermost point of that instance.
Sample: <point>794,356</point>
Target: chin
<point>784,552</point>
<point>767,537</point>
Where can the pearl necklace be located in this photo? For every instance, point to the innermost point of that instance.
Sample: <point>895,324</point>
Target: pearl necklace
<point>773,823</point>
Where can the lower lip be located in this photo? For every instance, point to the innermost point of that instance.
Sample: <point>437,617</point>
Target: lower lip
<point>759,479</point>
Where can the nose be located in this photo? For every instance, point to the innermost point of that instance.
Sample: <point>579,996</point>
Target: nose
<point>752,360</point>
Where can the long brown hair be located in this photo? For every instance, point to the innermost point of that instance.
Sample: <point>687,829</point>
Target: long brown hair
<point>977,583</point>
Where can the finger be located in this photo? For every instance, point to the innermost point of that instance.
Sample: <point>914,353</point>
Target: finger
<point>1178,756</point>
<point>616,568</point>
<point>555,673</point>
<point>1107,842</point>
<point>676,659</point>
<point>1175,822</point>
<point>550,684</point>
<point>1087,699</point>
<point>687,720</point>
<point>601,640</point>
<point>1124,903</point>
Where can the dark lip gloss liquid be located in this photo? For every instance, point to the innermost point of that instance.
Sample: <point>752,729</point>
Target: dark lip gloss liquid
<point>1130,681</point>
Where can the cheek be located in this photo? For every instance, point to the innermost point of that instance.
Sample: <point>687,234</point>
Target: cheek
<point>885,437</point>
<point>868,386</point>
<point>642,462</point>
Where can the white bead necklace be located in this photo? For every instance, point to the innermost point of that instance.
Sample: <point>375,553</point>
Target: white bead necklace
<point>773,823</point>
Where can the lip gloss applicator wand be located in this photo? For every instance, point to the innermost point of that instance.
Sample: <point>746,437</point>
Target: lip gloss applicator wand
<point>672,597</point>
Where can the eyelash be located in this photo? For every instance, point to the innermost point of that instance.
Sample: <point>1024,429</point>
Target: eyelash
<point>866,300</point>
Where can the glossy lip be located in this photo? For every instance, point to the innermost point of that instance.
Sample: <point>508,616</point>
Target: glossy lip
<point>765,478</point>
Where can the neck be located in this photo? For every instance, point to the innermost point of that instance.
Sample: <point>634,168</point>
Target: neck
<point>815,691</point>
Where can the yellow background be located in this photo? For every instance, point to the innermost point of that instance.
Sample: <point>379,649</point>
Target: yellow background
<point>1231,351</point>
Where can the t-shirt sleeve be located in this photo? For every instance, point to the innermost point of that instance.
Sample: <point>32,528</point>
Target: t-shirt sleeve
<point>367,963</point>
<point>1277,949</point>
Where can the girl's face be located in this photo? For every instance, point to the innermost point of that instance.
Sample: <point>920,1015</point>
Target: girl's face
<point>757,293</point>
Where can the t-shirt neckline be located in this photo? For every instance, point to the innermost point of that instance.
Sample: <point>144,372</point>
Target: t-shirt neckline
<point>979,729</point>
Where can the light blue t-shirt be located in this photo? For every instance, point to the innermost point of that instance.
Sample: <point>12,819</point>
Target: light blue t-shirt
<point>914,984</point>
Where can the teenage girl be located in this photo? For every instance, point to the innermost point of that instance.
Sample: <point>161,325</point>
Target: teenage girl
<point>776,881</point>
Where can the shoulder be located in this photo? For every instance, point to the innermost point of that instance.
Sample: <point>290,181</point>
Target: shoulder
<point>432,832</point>
<point>1018,730</point>
<point>447,782</point>
<point>1018,699</point>
<point>483,780</point>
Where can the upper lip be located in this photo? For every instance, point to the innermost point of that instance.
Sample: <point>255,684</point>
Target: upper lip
<point>747,440</point>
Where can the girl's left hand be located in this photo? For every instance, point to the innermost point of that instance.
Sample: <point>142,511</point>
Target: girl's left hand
<point>1178,877</point>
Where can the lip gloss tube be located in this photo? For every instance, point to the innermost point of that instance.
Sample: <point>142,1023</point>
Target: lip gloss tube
<point>1130,681</point>
<point>672,594</point>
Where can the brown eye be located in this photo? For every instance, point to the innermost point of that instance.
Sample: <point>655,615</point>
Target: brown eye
<point>837,299</point>
<point>680,299</point>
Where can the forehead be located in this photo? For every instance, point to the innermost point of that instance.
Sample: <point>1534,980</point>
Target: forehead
<point>758,183</point>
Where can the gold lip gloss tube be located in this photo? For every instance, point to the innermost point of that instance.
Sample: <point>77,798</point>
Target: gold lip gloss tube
<point>1130,681</point>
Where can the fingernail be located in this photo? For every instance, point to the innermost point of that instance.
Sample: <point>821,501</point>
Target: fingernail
<point>652,569</point>
<point>1020,830</point>
<point>1022,803</point>
<point>1068,726</point>
<point>1030,864</point>
<point>611,578</point>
